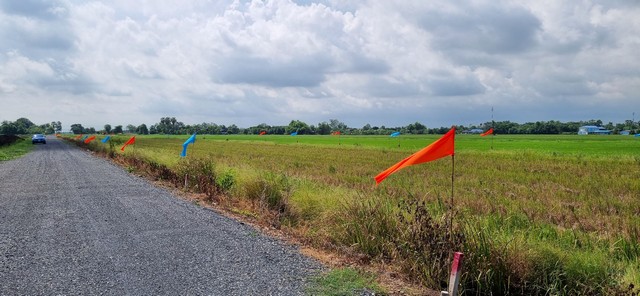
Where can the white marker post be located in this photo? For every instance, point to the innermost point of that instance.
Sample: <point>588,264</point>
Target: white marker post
<point>454,277</point>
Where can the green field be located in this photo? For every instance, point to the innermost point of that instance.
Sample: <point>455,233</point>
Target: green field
<point>14,150</point>
<point>595,146</point>
<point>533,214</point>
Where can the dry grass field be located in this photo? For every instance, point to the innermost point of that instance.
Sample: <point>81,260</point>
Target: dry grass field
<point>533,214</point>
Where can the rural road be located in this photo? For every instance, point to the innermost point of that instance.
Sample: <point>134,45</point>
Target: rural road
<point>74,224</point>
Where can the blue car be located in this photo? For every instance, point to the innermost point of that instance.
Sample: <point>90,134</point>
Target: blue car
<point>38,138</point>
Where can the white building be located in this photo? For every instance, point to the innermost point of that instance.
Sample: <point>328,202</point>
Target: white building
<point>593,130</point>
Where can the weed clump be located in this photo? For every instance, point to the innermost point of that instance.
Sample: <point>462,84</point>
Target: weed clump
<point>272,194</point>
<point>199,175</point>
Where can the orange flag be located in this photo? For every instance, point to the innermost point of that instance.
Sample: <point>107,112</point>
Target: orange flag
<point>489,132</point>
<point>438,149</point>
<point>89,139</point>
<point>78,136</point>
<point>263,133</point>
<point>131,141</point>
<point>336,133</point>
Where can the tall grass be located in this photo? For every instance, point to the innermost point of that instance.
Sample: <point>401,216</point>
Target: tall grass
<point>15,150</point>
<point>536,215</point>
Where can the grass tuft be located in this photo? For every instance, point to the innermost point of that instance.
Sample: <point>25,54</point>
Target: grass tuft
<point>344,282</point>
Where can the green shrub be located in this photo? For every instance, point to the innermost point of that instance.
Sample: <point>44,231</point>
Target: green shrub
<point>225,180</point>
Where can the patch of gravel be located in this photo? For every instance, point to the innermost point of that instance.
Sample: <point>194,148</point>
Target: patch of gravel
<point>73,224</point>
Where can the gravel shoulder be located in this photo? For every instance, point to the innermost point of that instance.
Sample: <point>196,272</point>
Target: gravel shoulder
<point>72,224</point>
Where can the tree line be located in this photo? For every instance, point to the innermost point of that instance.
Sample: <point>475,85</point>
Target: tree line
<point>171,126</point>
<point>25,126</point>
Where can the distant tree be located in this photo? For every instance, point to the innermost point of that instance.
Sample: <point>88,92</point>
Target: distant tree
<point>416,128</point>
<point>337,125</point>
<point>131,128</point>
<point>297,126</point>
<point>48,128</point>
<point>142,129</point>
<point>324,128</point>
<point>170,125</point>
<point>233,129</point>
<point>77,128</point>
<point>57,126</point>
<point>34,129</point>
<point>8,128</point>
<point>117,129</point>
<point>257,129</point>
<point>23,125</point>
<point>313,130</point>
<point>107,128</point>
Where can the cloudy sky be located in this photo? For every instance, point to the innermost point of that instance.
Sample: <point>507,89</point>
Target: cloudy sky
<point>390,63</point>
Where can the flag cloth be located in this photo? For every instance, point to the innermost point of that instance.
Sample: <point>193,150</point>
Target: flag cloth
<point>78,136</point>
<point>489,132</point>
<point>131,141</point>
<point>395,134</point>
<point>263,133</point>
<point>294,133</point>
<point>438,149</point>
<point>106,139</point>
<point>89,139</point>
<point>84,138</point>
<point>191,140</point>
<point>336,133</point>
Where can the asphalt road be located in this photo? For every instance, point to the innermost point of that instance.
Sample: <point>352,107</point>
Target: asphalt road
<point>74,224</point>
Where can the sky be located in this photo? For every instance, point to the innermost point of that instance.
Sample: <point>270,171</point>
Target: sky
<point>391,62</point>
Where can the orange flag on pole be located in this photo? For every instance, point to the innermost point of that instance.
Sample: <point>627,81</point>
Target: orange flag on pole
<point>438,149</point>
<point>131,141</point>
<point>89,139</point>
<point>263,133</point>
<point>489,132</point>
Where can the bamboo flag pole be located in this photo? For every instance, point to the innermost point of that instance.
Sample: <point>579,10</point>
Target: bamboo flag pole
<point>492,126</point>
<point>453,169</point>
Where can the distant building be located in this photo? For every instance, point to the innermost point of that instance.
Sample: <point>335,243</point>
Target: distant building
<point>625,132</point>
<point>593,130</point>
<point>474,131</point>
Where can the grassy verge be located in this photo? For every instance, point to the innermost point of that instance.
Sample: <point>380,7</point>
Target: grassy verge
<point>15,150</point>
<point>344,281</point>
<point>549,219</point>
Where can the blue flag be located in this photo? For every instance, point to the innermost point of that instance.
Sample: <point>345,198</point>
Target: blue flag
<point>395,134</point>
<point>191,140</point>
<point>106,139</point>
<point>637,135</point>
<point>294,133</point>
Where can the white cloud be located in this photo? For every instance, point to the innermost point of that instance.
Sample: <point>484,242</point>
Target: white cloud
<point>381,62</point>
